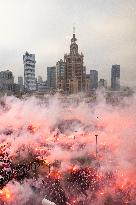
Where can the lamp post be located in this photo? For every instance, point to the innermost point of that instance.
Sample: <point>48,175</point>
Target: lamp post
<point>96,140</point>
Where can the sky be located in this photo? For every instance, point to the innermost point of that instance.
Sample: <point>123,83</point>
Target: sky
<point>105,29</point>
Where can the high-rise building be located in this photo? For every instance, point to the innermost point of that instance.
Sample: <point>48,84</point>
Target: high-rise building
<point>60,69</point>
<point>93,79</point>
<point>29,72</point>
<point>74,69</point>
<point>51,77</point>
<point>115,77</point>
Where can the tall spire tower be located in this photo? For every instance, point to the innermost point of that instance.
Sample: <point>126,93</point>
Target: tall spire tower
<point>73,40</point>
<point>74,69</point>
<point>74,46</point>
<point>74,29</point>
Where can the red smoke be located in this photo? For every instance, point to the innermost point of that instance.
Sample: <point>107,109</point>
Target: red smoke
<point>64,141</point>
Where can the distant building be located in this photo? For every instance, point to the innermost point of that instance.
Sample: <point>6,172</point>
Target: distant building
<point>51,78</point>
<point>16,89</point>
<point>93,79</point>
<point>29,72</point>
<point>20,83</point>
<point>102,83</point>
<point>42,87</point>
<point>115,77</point>
<point>6,82</point>
<point>60,74</point>
<point>20,80</point>
<point>40,80</point>
<point>87,82</point>
<point>74,69</point>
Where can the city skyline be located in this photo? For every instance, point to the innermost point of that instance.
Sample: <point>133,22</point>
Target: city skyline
<point>105,38</point>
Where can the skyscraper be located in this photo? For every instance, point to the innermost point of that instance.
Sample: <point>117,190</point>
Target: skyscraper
<point>60,69</point>
<point>93,79</point>
<point>51,78</point>
<point>29,72</point>
<point>115,77</point>
<point>74,69</point>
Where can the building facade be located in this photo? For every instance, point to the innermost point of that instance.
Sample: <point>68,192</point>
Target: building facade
<point>102,83</point>
<point>51,78</point>
<point>20,83</point>
<point>6,82</point>
<point>74,80</point>
<point>60,71</point>
<point>20,80</point>
<point>88,82</point>
<point>39,80</point>
<point>42,87</point>
<point>115,77</point>
<point>29,72</point>
<point>93,79</point>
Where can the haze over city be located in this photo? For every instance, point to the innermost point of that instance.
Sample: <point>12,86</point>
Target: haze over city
<point>67,102</point>
<point>105,31</point>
